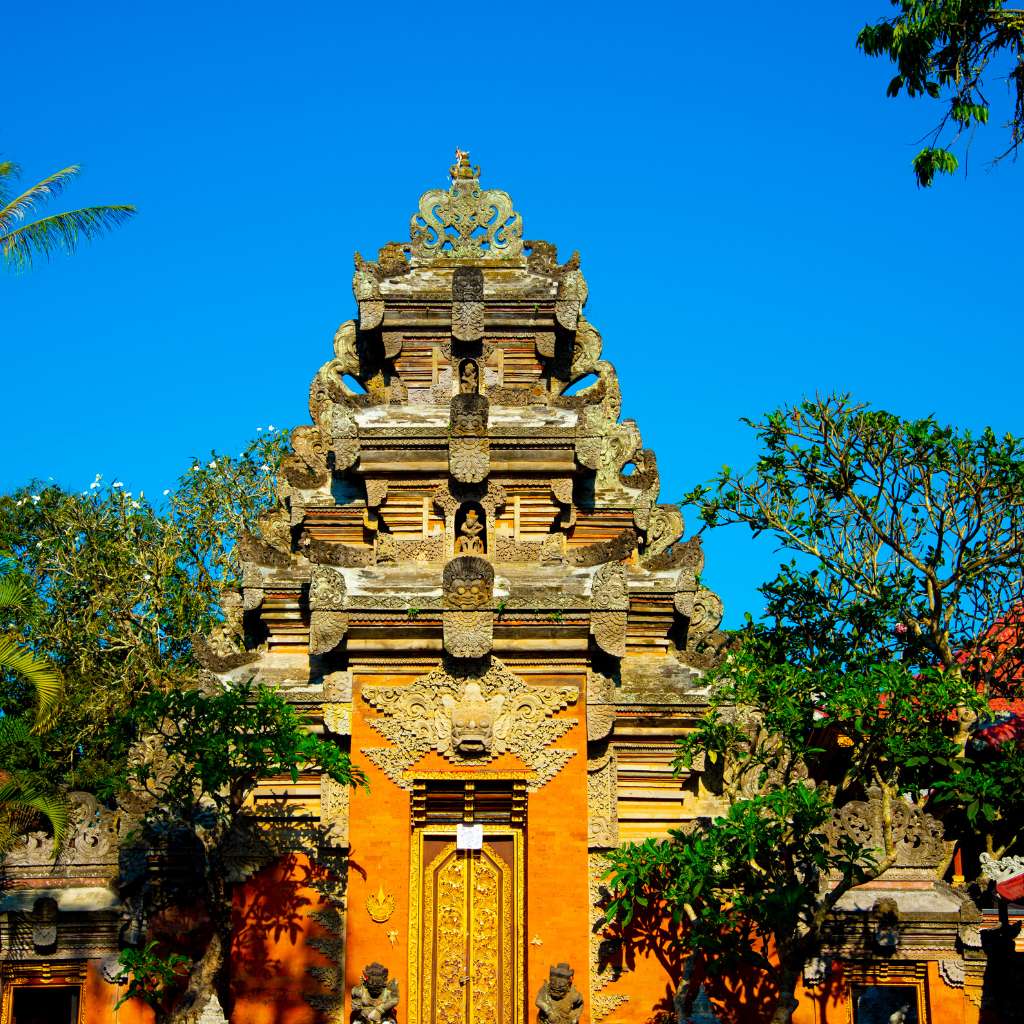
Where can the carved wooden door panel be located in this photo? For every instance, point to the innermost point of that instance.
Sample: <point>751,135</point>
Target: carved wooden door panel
<point>466,961</point>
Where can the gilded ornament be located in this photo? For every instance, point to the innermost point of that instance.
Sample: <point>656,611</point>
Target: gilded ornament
<point>380,905</point>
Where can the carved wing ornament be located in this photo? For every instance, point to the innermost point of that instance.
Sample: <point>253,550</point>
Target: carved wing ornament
<point>470,718</point>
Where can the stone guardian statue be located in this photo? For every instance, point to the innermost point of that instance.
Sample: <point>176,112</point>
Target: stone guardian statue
<point>557,1000</point>
<point>374,1001</point>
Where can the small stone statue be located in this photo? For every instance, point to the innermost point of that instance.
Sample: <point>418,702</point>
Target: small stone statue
<point>374,1001</point>
<point>469,379</point>
<point>557,1000</point>
<point>469,541</point>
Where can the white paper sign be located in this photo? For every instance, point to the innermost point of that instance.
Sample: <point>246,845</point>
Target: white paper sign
<point>469,837</point>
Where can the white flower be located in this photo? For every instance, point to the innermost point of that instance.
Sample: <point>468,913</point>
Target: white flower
<point>93,484</point>
<point>213,465</point>
<point>166,491</point>
<point>271,428</point>
<point>35,498</point>
<point>142,494</point>
<point>265,468</point>
<point>259,430</point>
<point>39,543</point>
<point>135,504</point>
<point>117,483</point>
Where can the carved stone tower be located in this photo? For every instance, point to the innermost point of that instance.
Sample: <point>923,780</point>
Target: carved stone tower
<point>470,572</point>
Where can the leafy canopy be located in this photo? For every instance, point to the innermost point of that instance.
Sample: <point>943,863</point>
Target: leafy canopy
<point>121,586</point>
<point>950,51</point>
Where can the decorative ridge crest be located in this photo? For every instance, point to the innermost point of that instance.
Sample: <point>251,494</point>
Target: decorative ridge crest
<point>465,222</point>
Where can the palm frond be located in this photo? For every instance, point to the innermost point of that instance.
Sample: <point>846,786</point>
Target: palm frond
<point>62,231</point>
<point>39,672</point>
<point>49,187</point>
<point>14,731</point>
<point>13,592</point>
<point>22,795</point>
<point>8,169</point>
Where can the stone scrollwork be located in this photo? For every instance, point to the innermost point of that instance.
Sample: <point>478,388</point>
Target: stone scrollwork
<point>344,437</point>
<point>572,294</point>
<point>705,617</point>
<point>586,350</point>
<point>94,834</point>
<point>468,588</point>
<point>468,304</point>
<point>916,836</point>
<point>664,528</point>
<point>602,790</point>
<point>327,588</point>
<point>465,221</point>
<point>610,608</point>
<point>366,290</point>
<point>470,716</point>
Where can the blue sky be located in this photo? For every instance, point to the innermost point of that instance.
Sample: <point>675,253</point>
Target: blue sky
<point>734,177</point>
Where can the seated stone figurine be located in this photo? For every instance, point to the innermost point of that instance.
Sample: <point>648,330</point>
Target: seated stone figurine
<point>470,542</point>
<point>557,1000</point>
<point>374,1001</point>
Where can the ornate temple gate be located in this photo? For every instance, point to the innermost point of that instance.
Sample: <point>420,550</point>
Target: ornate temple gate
<point>466,929</point>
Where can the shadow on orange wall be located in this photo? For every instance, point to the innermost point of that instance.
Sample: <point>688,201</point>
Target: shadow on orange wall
<point>662,976</point>
<point>286,944</point>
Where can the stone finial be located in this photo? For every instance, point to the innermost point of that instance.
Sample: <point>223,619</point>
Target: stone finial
<point>465,222</point>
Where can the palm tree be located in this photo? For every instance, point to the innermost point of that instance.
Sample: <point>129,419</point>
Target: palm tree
<point>20,242</point>
<point>22,797</point>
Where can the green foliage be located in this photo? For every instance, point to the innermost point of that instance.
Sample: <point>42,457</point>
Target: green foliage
<point>909,535</point>
<point>21,242</point>
<point>120,587</point>
<point>750,877</point>
<point>945,50</point>
<point>149,976</point>
<point>27,796</point>
<point>881,639</point>
<point>216,746</point>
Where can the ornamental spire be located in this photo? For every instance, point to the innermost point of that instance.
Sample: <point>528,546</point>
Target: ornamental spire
<point>466,222</point>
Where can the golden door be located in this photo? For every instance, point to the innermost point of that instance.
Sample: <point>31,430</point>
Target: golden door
<point>466,947</point>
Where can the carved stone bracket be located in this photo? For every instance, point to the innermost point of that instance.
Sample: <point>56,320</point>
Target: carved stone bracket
<point>469,459</point>
<point>609,609</point>
<point>468,617</point>
<point>470,715</point>
<point>468,304</point>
